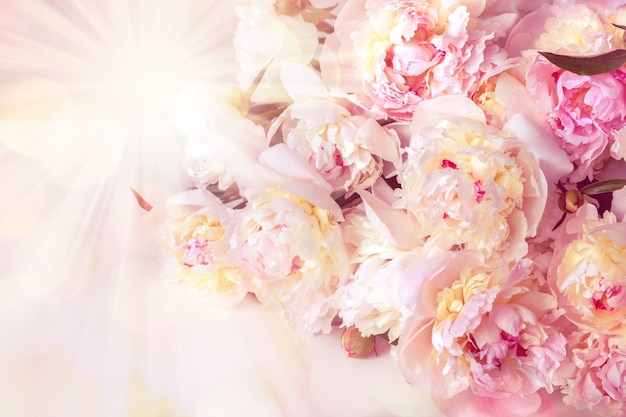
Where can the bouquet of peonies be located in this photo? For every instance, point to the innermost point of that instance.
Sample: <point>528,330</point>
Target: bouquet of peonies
<point>444,174</point>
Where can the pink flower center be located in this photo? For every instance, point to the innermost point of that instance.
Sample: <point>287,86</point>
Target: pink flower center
<point>480,193</point>
<point>446,163</point>
<point>556,75</point>
<point>491,354</point>
<point>513,344</point>
<point>196,253</point>
<point>409,62</point>
<point>606,297</point>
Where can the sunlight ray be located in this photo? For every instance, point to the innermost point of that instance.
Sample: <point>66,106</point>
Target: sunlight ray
<point>88,88</point>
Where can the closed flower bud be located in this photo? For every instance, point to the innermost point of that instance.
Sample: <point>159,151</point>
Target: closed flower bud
<point>355,344</point>
<point>571,200</point>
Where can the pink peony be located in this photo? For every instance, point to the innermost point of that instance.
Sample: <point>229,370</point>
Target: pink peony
<point>588,271</point>
<point>469,185</point>
<point>388,55</point>
<point>594,376</point>
<point>481,329</point>
<point>585,111</point>
<point>198,247</point>
<point>568,27</point>
<point>294,252</point>
<point>349,151</point>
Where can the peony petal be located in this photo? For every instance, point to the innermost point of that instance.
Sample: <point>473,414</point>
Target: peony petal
<point>412,280</point>
<point>395,224</point>
<point>318,112</point>
<point>429,113</point>
<point>381,141</point>
<point>506,318</point>
<point>302,82</point>
<point>196,197</point>
<point>414,348</point>
<point>467,404</point>
<point>292,165</point>
<point>553,160</point>
<point>421,281</point>
<point>526,32</point>
<point>314,194</point>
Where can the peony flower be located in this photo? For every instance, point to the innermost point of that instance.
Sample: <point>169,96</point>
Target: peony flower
<point>380,244</point>
<point>584,112</point>
<point>483,329</point>
<point>594,376</point>
<point>198,248</point>
<point>581,28</point>
<point>388,55</point>
<point>348,151</point>
<point>469,186</point>
<point>294,251</point>
<point>576,28</point>
<point>264,37</point>
<point>370,300</point>
<point>588,271</point>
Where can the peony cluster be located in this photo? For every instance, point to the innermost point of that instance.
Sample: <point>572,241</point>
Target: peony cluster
<point>443,175</point>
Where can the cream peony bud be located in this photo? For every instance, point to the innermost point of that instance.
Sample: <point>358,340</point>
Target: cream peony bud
<point>571,200</point>
<point>355,344</point>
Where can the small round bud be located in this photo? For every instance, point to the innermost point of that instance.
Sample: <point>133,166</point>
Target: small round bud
<point>355,345</point>
<point>571,200</point>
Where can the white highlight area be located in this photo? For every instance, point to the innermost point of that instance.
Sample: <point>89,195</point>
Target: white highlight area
<point>88,87</point>
<point>144,80</point>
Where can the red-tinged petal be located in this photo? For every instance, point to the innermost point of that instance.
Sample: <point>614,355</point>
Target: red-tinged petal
<point>141,201</point>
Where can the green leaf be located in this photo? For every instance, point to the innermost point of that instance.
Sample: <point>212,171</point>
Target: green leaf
<point>600,187</point>
<point>588,65</point>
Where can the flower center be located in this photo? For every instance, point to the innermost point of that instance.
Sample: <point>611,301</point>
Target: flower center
<point>608,297</point>
<point>407,63</point>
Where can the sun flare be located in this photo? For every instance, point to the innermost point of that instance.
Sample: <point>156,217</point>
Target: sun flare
<point>86,84</point>
<point>87,88</point>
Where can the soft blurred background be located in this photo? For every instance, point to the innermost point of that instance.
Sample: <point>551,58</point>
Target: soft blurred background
<point>88,327</point>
